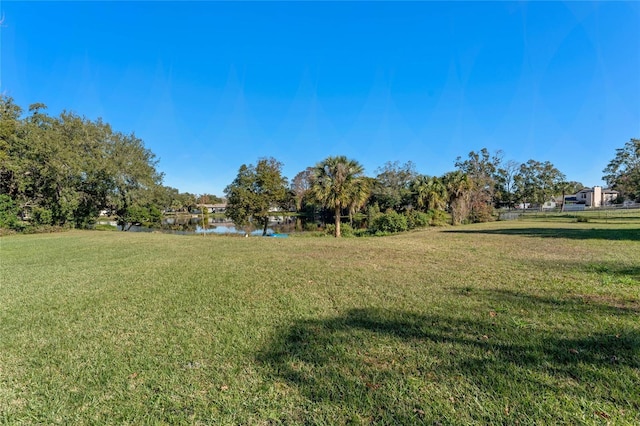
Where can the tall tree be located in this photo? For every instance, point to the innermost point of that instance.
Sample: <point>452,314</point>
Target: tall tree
<point>133,175</point>
<point>505,184</point>
<point>84,168</point>
<point>429,193</point>
<point>209,199</point>
<point>458,187</point>
<point>338,183</point>
<point>67,168</point>
<point>481,169</point>
<point>536,182</point>
<point>11,132</point>
<point>391,187</point>
<point>360,191</point>
<point>623,171</point>
<point>256,192</point>
<point>301,185</point>
<point>301,195</point>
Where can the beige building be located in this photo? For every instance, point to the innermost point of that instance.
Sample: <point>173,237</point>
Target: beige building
<point>594,197</point>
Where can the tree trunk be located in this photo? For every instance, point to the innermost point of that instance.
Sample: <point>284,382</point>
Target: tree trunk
<point>266,223</point>
<point>337,222</point>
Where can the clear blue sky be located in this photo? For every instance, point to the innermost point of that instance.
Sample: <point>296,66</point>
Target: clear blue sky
<point>211,85</point>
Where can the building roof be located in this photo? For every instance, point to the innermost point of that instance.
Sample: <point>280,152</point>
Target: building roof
<point>604,191</point>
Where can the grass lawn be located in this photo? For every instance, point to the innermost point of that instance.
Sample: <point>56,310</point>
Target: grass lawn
<point>522,322</point>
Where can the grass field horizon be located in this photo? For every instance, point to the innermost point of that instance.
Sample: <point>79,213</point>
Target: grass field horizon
<point>523,322</point>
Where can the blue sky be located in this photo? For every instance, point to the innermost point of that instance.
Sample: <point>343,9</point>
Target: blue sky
<point>209,86</point>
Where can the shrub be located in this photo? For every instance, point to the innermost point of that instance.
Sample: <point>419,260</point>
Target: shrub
<point>417,219</point>
<point>43,229</point>
<point>372,213</point>
<point>439,218</point>
<point>155,215</point>
<point>481,212</point>
<point>361,232</point>
<point>8,212</point>
<point>310,226</point>
<point>345,230</point>
<point>41,216</point>
<point>389,222</point>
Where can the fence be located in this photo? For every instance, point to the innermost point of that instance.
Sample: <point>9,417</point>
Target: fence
<point>617,214</point>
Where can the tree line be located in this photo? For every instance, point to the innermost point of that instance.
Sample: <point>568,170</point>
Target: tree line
<point>65,170</point>
<point>397,196</point>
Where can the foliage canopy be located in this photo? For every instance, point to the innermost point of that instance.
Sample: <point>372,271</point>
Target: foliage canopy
<point>256,192</point>
<point>623,171</point>
<point>64,170</point>
<point>339,183</point>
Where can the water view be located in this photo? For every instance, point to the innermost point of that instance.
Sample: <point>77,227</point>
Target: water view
<point>169,226</point>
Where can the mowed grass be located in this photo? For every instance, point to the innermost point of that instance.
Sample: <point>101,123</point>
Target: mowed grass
<point>503,323</point>
<point>614,216</point>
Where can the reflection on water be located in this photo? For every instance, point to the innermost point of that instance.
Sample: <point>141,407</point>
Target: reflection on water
<point>230,230</point>
<point>217,230</point>
<point>189,225</point>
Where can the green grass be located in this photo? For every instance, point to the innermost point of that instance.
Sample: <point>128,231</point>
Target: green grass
<point>604,215</point>
<point>502,323</point>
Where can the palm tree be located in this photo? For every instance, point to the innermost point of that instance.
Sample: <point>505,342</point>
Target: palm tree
<point>430,193</point>
<point>339,183</point>
<point>360,191</point>
<point>458,186</point>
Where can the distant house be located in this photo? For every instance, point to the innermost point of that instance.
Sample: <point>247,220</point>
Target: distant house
<point>552,203</point>
<point>609,196</point>
<point>211,208</point>
<point>592,197</point>
<point>523,206</point>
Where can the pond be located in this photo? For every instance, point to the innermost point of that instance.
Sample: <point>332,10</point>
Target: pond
<point>226,229</point>
<point>222,229</point>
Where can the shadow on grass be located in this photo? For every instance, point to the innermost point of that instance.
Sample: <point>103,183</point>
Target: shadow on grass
<point>568,233</point>
<point>610,271</point>
<point>599,304</point>
<point>395,367</point>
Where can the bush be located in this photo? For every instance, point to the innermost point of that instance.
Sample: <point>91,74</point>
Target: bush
<point>155,216</point>
<point>417,219</point>
<point>43,229</point>
<point>480,213</point>
<point>310,226</point>
<point>345,230</point>
<point>361,233</point>
<point>8,212</point>
<point>41,216</point>
<point>439,218</point>
<point>372,213</point>
<point>389,222</point>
